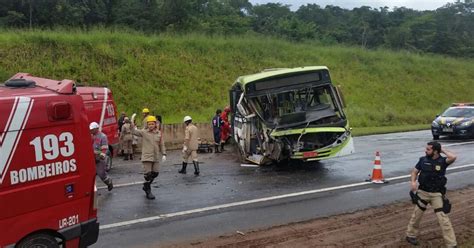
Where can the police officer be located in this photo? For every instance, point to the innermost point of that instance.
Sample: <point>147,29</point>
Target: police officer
<point>190,146</point>
<point>126,139</point>
<point>217,123</point>
<point>430,171</point>
<point>152,145</point>
<point>100,147</point>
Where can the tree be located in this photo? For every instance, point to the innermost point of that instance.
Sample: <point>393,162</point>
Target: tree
<point>266,16</point>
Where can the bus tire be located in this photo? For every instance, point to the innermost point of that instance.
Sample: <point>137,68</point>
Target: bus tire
<point>39,240</point>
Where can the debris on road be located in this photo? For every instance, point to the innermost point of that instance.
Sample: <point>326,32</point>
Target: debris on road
<point>375,227</point>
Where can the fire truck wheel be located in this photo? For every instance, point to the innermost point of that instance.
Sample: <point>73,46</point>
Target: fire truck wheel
<point>38,241</point>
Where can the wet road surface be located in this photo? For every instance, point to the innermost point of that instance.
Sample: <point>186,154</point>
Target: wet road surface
<point>217,202</point>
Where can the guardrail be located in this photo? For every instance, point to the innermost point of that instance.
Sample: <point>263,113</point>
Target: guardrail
<point>174,135</point>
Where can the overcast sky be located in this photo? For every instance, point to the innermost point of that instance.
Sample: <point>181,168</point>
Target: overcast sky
<point>350,4</point>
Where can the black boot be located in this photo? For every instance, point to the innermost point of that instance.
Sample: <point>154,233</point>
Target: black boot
<point>216,149</point>
<point>150,195</point>
<point>183,168</point>
<point>222,147</point>
<point>147,189</point>
<point>110,185</point>
<point>125,156</point>
<point>196,168</point>
<point>146,186</point>
<point>131,156</point>
<point>412,240</point>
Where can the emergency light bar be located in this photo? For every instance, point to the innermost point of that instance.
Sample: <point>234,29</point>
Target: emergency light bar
<point>462,104</point>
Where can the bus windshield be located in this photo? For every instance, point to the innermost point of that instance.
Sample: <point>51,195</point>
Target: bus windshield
<point>298,105</point>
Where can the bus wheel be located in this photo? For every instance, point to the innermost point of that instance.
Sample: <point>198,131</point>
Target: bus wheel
<point>39,241</point>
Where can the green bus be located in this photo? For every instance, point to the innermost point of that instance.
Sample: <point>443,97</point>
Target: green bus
<point>289,114</point>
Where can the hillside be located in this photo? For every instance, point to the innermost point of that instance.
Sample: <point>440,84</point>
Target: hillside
<point>191,75</point>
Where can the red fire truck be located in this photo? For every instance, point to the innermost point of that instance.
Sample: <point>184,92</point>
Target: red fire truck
<point>47,167</point>
<point>99,105</point>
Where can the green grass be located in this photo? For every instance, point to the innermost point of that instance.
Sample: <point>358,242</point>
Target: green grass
<point>191,74</point>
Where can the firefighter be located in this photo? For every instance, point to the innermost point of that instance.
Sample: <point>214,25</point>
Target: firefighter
<point>100,147</point>
<point>120,124</point>
<point>145,113</point>
<point>152,145</point>
<point>216,128</point>
<point>225,129</point>
<point>430,171</point>
<point>121,120</point>
<point>159,122</point>
<point>190,146</point>
<point>126,139</point>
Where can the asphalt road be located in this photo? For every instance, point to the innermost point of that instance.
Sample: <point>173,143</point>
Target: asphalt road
<point>227,198</point>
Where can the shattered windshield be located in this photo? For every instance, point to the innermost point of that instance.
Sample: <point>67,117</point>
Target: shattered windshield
<point>297,105</point>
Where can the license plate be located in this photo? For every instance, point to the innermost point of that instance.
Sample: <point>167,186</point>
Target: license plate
<point>310,154</point>
<point>448,130</point>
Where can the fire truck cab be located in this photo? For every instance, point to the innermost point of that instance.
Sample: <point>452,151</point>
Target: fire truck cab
<point>47,167</point>
<point>99,105</point>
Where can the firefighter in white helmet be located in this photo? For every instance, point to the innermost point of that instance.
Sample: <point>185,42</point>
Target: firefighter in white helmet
<point>190,146</point>
<point>152,145</point>
<point>100,147</point>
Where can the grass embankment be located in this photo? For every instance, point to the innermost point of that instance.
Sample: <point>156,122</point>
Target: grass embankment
<point>181,75</point>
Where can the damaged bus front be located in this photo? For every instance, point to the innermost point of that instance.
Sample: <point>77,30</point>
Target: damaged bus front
<point>282,114</point>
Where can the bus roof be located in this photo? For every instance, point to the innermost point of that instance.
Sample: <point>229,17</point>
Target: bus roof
<point>243,80</point>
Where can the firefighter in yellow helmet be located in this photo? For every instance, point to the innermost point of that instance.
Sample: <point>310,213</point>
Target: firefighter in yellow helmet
<point>145,113</point>
<point>153,146</point>
<point>190,146</point>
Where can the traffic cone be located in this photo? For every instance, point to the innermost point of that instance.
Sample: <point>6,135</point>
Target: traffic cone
<point>377,176</point>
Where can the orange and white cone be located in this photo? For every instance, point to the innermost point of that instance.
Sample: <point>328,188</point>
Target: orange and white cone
<point>377,176</point>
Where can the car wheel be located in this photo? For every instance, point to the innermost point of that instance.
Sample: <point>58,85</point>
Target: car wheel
<point>435,137</point>
<point>39,241</point>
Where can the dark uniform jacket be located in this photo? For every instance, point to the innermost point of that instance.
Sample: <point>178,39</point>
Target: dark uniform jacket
<point>432,174</point>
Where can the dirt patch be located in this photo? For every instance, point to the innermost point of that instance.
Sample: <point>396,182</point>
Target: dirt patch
<point>376,227</point>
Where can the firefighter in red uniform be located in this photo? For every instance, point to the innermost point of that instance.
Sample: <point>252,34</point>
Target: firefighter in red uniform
<point>225,129</point>
<point>100,147</point>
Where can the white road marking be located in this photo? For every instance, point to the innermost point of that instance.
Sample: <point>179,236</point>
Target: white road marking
<point>259,200</point>
<point>459,144</point>
<point>122,185</point>
<point>249,165</point>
